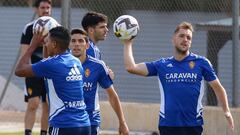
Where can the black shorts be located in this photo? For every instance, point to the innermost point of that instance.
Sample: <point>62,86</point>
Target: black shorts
<point>94,129</point>
<point>35,87</point>
<point>196,130</point>
<point>70,131</point>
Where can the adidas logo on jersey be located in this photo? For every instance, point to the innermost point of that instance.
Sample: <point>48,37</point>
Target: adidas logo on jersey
<point>74,74</point>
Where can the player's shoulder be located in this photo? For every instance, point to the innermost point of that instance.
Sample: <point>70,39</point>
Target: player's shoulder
<point>165,59</point>
<point>48,59</point>
<point>51,59</point>
<point>197,57</point>
<point>28,27</point>
<point>96,61</point>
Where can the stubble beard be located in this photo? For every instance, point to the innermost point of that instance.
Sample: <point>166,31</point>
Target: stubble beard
<point>181,52</point>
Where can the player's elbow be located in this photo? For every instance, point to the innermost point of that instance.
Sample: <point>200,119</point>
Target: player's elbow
<point>131,70</point>
<point>21,72</point>
<point>18,73</point>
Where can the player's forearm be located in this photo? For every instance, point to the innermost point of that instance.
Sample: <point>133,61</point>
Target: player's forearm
<point>129,61</point>
<point>221,94</point>
<point>116,105</point>
<point>24,68</point>
<point>222,97</point>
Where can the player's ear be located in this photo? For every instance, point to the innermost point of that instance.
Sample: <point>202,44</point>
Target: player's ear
<point>54,44</point>
<point>90,29</point>
<point>87,45</point>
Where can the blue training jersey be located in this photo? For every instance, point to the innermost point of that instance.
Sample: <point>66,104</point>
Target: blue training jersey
<point>93,50</point>
<point>181,87</point>
<point>96,73</point>
<point>66,103</point>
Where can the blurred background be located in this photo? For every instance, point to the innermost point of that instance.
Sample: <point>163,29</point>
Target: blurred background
<point>212,38</point>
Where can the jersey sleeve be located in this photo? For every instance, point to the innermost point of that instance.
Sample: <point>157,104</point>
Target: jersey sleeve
<point>42,68</point>
<point>208,71</point>
<point>104,79</point>
<point>151,67</point>
<point>27,35</point>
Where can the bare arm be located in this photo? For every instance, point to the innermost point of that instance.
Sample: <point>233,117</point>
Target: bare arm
<point>111,73</point>
<point>24,48</point>
<point>23,59</point>
<point>116,105</point>
<point>129,62</point>
<point>222,97</point>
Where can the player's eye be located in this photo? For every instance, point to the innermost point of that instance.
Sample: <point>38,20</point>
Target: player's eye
<point>181,35</point>
<point>73,40</point>
<point>81,40</point>
<point>189,38</point>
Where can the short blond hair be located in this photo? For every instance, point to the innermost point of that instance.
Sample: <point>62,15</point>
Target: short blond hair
<point>184,25</point>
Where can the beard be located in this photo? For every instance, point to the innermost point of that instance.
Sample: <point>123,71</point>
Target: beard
<point>180,51</point>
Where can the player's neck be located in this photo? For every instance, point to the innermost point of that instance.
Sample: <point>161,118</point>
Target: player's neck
<point>83,58</point>
<point>181,56</point>
<point>93,40</point>
<point>59,51</point>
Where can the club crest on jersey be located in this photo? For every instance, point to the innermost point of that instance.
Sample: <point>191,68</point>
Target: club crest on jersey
<point>87,72</point>
<point>191,64</point>
<point>29,91</point>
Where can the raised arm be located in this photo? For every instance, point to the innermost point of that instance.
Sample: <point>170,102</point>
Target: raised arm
<point>129,62</point>
<point>222,97</point>
<point>116,105</point>
<point>24,68</point>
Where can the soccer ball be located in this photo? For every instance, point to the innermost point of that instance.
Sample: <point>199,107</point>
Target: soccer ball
<point>125,27</point>
<point>45,22</point>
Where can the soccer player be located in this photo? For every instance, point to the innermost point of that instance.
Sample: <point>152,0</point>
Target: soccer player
<point>35,88</point>
<point>95,24</point>
<point>181,84</point>
<point>95,74</point>
<point>67,114</point>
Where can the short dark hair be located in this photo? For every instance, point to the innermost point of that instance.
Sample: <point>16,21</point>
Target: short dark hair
<point>36,4</point>
<point>91,19</point>
<point>184,25</point>
<point>80,31</point>
<point>61,36</point>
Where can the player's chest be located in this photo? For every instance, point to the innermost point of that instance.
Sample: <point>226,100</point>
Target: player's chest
<point>185,70</point>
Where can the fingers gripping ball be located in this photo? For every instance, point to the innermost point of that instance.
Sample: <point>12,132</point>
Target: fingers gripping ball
<point>125,27</point>
<point>45,22</point>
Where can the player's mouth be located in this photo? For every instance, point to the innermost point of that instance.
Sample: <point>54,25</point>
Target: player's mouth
<point>46,14</point>
<point>184,45</point>
<point>76,50</point>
